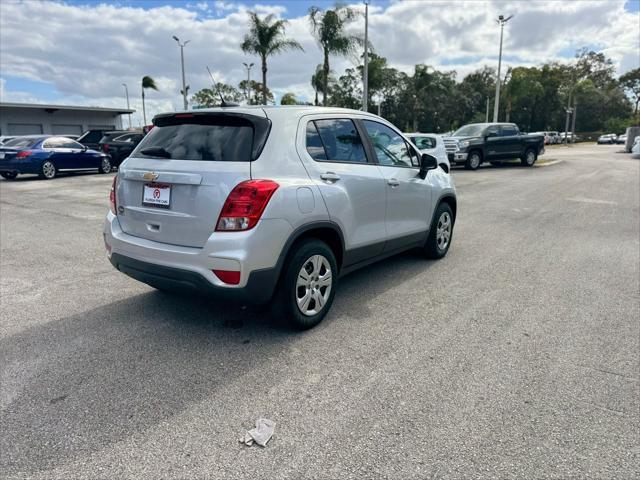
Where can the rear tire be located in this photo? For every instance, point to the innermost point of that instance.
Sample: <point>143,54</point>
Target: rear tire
<point>530,157</point>
<point>48,170</point>
<point>9,175</point>
<point>307,285</point>
<point>474,161</point>
<point>440,233</point>
<point>105,165</point>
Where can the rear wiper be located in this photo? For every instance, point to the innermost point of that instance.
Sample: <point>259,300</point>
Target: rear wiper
<point>156,152</point>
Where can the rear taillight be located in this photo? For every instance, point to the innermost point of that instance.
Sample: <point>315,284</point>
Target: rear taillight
<point>230,277</point>
<point>112,196</point>
<point>24,153</point>
<point>245,204</point>
<point>105,148</point>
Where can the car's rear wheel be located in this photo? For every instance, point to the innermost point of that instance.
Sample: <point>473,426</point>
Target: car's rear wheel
<point>440,233</point>
<point>105,165</point>
<point>474,161</point>
<point>48,170</point>
<point>529,158</point>
<point>9,175</point>
<point>307,285</point>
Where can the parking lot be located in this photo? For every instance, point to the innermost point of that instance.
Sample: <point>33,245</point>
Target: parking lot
<point>514,356</point>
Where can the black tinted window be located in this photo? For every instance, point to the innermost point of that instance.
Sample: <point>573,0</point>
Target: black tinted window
<point>507,131</point>
<point>314,143</point>
<point>191,141</point>
<point>340,140</point>
<point>91,137</point>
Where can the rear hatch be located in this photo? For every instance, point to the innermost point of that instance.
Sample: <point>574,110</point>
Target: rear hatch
<point>173,186</point>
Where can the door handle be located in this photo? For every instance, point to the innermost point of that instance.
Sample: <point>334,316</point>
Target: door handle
<point>393,182</point>
<point>330,177</point>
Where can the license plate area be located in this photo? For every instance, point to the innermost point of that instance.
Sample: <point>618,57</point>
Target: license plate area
<point>156,195</point>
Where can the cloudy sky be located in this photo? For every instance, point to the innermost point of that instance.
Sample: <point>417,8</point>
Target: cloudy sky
<point>81,52</point>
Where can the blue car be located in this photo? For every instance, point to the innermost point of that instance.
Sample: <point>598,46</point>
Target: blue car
<point>47,155</point>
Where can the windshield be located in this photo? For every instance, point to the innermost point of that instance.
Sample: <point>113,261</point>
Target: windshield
<point>21,142</point>
<point>469,131</point>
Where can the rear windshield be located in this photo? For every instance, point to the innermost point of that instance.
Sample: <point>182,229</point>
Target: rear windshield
<point>21,142</point>
<point>92,136</point>
<point>200,137</point>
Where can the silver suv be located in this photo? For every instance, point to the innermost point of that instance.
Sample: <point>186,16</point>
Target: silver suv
<point>273,204</point>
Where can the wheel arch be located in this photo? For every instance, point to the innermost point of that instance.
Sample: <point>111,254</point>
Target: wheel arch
<point>327,231</point>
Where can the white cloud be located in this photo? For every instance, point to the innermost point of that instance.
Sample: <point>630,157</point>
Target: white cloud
<point>87,52</point>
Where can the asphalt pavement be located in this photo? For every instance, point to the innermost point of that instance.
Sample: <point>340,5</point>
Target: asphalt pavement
<point>516,356</point>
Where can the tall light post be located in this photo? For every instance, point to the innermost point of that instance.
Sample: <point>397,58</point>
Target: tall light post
<point>126,92</point>
<point>248,87</point>
<point>365,72</point>
<point>501,21</point>
<point>184,83</point>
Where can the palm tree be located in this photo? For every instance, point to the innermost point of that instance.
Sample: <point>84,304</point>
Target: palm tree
<point>317,81</point>
<point>266,37</point>
<point>147,82</point>
<point>329,29</point>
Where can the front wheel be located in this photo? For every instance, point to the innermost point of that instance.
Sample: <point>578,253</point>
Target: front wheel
<point>9,175</point>
<point>307,286</point>
<point>440,233</point>
<point>529,158</point>
<point>474,161</point>
<point>105,165</point>
<point>48,170</point>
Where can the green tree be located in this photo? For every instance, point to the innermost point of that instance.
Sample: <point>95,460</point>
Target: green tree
<point>147,82</point>
<point>318,82</point>
<point>256,91</point>
<point>329,27</point>
<point>212,97</point>
<point>288,99</point>
<point>266,37</point>
<point>346,92</point>
<point>630,81</point>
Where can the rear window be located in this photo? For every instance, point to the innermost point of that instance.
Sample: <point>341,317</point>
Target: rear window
<point>21,142</point>
<point>218,138</point>
<point>424,143</point>
<point>92,136</point>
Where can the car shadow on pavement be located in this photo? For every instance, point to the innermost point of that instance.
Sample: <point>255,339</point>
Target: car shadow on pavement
<point>74,386</point>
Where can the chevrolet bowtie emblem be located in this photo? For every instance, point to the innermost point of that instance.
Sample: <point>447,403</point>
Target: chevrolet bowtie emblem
<point>150,176</point>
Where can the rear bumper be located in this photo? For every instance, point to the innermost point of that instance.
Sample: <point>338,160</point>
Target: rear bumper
<point>18,166</point>
<point>259,287</point>
<point>254,253</point>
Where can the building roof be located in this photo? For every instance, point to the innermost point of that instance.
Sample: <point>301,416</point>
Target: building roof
<point>44,106</point>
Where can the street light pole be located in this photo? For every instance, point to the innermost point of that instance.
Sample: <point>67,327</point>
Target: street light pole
<point>184,83</point>
<point>501,21</point>
<point>365,72</point>
<point>126,91</point>
<point>248,87</point>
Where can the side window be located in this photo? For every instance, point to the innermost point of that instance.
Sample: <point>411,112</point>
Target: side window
<point>314,143</point>
<point>68,143</point>
<point>53,142</point>
<point>424,143</point>
<point>390,147</point>
<point>340,141</point>
<point>492,131</point>
<point>508,131</point>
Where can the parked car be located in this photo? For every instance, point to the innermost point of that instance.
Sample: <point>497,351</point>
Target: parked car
<point>91,138</point>
<point>432,144</point>
<point>635,149</point>
<point>622,139</point>
<point>495,142</point>
<point>236,201</point>
<point>47,155</point>
<point>609,139</point>
<point>119,146</point>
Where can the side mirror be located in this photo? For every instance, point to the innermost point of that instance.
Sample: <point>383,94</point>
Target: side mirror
<point>427,162</point>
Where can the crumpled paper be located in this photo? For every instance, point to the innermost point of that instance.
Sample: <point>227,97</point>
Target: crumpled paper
<point>261,434</point>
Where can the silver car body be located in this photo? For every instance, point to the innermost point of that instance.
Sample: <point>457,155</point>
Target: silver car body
<point>376,210</point>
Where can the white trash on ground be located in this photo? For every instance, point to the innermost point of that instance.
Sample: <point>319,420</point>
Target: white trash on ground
<point>261,434</point>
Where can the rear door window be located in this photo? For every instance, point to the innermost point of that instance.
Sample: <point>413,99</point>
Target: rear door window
<point>508,131</point>
<point>424,143</point>
<point>200,137</point>
<point>335,140</point>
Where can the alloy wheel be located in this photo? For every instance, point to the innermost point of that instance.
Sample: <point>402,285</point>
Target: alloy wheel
<point>443,231</point>
<point>106,165</point>
<point>48,169</point>
<point>313,285</point>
